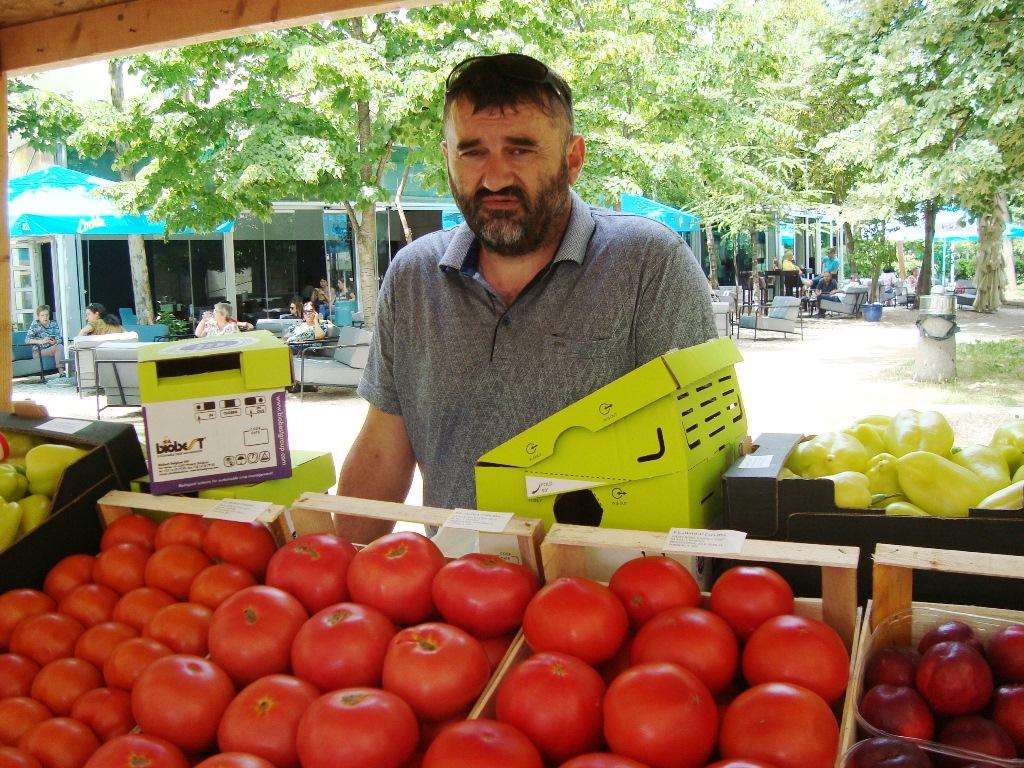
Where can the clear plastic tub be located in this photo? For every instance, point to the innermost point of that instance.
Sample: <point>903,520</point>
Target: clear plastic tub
<point>906,628</point>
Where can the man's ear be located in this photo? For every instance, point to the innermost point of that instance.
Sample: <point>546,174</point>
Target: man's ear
<point>444,149</point>
<point>575,154</point>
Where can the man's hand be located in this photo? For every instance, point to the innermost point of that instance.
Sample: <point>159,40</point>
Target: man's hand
<point>379,466</point>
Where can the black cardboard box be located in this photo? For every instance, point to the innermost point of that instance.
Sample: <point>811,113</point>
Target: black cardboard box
<point>114,457</point>
<point>757,502</point>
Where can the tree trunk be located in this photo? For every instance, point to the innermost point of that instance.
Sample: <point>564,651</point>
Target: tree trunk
<point>1009,267</point>
<point>406,229</point>
<point>901,261</point>
<point>851,247</point>
<point>136,244</point>
<point>709,239</point>
<point>924,280</point>
<point>989,272</point>
<point>364,226</point>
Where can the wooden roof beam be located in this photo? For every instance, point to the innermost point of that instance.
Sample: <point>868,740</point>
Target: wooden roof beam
<point>143,25</point>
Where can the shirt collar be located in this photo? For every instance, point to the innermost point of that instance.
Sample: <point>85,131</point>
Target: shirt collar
<point>461,253</point>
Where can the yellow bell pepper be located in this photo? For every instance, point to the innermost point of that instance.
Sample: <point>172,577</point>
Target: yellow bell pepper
<point>828,454</point>
<point>851,490</point>
<point>937,485</point>
<point>905,509</point>
<point>987,463</point>
<point>871,436</point>
<point>876,420</point>
<point>1010,497</point>
<point>787,474</point>
<point>882,474</point>
<point>912,430</point>
<point>883,500</point>
<point>1011,436</point>
<point>1019,474</point>
<point>10,522</point>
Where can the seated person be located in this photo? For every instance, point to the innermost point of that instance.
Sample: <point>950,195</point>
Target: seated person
<point>912,280</point>
<point>45,337</point>
<point>830,263</point>
<point>99,322</point>
<point>825,285</point>
<point>294,309</point>
<point>854,280</point>
<point>217,322</point>
<point>311,330</point>
<point>788,264</point>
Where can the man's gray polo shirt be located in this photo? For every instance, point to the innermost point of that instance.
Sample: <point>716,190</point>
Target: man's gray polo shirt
<point>466,372</point>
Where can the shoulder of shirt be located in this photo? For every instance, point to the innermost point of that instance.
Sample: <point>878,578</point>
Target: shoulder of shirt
<point>422,253</point>
<point>632,225</point>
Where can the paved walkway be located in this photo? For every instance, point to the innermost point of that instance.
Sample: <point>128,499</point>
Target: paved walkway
<point>843,369</point>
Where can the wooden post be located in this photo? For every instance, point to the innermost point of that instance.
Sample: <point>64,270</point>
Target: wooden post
<point>5,259</point>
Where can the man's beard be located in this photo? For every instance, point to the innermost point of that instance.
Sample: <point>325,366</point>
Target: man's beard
<point>517,232</point>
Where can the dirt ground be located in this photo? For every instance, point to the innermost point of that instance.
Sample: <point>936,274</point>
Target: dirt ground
<point>843,369</point>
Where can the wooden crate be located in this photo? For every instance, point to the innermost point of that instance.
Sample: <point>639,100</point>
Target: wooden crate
<point>893,617</point>
<point>120,503</point>
<point>564,552</point>
<point>325,513</point>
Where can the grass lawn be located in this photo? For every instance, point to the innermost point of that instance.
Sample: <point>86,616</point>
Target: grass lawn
<point>987,372</point>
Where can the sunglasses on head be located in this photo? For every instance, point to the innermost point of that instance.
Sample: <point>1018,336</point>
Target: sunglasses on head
<point>515,66</point>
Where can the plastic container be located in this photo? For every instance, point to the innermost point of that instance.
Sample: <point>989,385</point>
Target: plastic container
<point>872,312</point>
<point>905,628</point>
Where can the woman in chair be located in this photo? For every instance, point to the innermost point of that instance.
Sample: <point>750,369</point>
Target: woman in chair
<point>98,321</point>
<point>45,337</point>
<point>218,322</point>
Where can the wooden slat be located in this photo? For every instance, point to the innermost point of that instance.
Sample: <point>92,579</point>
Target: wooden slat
<point>950,561</point>
<point>21,11</point>
<point>5,257</point>
<point>142,25</point>
<point>796,553</point>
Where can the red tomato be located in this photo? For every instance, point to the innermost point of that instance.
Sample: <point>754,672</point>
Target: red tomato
<point>59,684</point>
<point>251,632</point>
<point>46,637</point>
<point>376,727</point>
<point>342,646</point>
<point>122,567</point>
<point>59,743</point>
<point>739,763</point>
<point>438,669</point>
<point>234,760</point>
<point>394,573</point>
<point>313,568</point>
<point>129,659</point>
<point>16,675</point>
<point>181,529</point>
<point>483,594</point>
<point>798,650</point>
<point>602,760</point>
<point>496,648</point>
<point>481,744</point>
<point>137,750</point>
<point>140,605</point>
<point>249,545</point>
<point>693,638</point>
<point>19,604</point>
<point>95,644</point>
<point>649,585</point>
<point>107,711</point>
<point>747,595</point>
<point>130,529</point>
<point>784,725</point>
<point>15,758</point>
<point>576,616</point>
<point>17,715</point>
<point>182,698</point>
<point>173,568</point>
<point>554,699</point>
<point>182,627</point>
<point>262,720</point>
<point>90,604</point>
<point>71,572</point>
<point>643,712</point>
<point>213,585</point>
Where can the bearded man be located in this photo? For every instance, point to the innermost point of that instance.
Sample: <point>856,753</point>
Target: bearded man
<point>534,302</point>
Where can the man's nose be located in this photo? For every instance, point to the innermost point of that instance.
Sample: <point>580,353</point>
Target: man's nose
<point>497,174</point>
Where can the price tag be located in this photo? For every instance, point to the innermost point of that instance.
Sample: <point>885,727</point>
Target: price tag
<point>65,426</point>
<point>492,522</point>
<point>704,542</point>
<point>238,510</point>
<point>756,461</point>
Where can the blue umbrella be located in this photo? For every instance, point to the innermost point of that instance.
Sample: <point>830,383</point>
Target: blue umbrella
<point>678,220</point>
<point>60,201</point>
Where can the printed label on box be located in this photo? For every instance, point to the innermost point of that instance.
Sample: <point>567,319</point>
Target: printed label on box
<point>223,440</point>
<point>546,486</point>
<point>238,510</point>
<point>704,541</point>
<point>476,520</point>
<point>756,462</point>
<point>65,426</point>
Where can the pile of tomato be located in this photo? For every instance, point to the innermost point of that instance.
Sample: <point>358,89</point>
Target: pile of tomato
<point>195,642</point>
<point>637,674</point>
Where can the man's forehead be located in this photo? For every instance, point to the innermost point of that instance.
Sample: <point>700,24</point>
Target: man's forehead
<point>464,117</point>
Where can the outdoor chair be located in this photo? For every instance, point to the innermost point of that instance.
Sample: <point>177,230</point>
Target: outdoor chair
<point>846,302</point>
<point>117,374</point>
<point>783,317</point>
<point>339,363</point>
<point>83,350</point>
<point>24,363</point>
